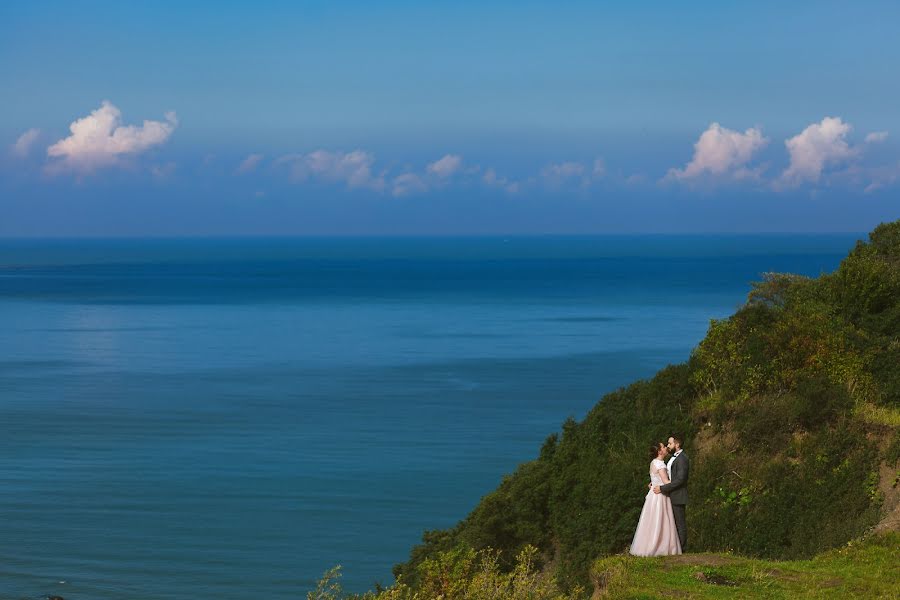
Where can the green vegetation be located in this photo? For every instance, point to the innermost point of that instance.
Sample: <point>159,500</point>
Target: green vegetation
<point>791,413</point>
<point>859,569</point>
<point>463,574</point>
<point>869,569</point>
<point>791,409</point>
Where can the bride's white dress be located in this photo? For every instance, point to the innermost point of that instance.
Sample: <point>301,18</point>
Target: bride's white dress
<point>656,534</point>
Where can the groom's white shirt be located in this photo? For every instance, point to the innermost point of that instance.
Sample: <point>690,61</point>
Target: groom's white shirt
<point>669,464</point>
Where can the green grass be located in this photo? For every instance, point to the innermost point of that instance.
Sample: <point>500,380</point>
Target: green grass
<point>860,569</point>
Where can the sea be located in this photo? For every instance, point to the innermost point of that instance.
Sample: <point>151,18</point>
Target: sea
<point>229,418</point>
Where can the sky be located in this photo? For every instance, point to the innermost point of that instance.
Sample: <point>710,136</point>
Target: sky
<point>447,118</point>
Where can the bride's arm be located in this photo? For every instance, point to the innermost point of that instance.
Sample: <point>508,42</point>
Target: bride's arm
<point>663,474</point>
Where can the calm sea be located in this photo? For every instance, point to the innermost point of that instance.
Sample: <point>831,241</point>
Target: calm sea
<point>230,418</point>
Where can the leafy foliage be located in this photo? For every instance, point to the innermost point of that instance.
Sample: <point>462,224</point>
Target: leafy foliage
<point>463,574</point>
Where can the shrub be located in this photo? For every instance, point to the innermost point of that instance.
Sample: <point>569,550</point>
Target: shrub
<point>463,574</point>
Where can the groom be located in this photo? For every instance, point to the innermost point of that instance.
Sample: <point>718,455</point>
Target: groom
<point>679,469</point>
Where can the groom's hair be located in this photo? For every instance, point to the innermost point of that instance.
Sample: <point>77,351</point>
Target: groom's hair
<point>678,438</point>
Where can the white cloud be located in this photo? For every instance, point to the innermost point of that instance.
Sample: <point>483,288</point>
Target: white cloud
<point>876,136</point>
<point>437,174</point>
<point>881,177</point>
<point>352,168</point>
<point>249,164</point>
<point>564,170</point>
<point>560,174</point>
<point>23,145</point>
<point>722,152</point>
<point>408,183</point>
<point>491,179</point>
<point>816,147</point>
<point>446,166</point>
<point>100,140</point>
<point>557,175</point>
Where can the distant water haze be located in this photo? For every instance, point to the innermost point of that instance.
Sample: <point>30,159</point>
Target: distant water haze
<point>231,417</point>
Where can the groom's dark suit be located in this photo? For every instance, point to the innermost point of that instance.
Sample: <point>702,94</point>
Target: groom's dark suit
<point>676,489</point>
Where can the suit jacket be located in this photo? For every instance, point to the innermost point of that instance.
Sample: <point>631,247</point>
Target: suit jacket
<point>676,489</point>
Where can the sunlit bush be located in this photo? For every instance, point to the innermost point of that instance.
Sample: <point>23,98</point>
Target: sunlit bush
<point>463,574</point>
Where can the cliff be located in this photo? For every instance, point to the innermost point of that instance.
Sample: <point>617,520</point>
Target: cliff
<point>791,410</point>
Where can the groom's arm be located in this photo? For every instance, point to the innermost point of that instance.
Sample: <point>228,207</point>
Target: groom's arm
<point>679,476</point>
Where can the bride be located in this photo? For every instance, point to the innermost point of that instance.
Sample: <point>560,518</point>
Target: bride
<point>656,534</point>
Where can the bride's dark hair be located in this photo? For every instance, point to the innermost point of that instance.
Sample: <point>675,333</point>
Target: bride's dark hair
<point>654,449</point>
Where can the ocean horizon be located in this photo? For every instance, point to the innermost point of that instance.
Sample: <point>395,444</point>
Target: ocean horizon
<point>224,416</point>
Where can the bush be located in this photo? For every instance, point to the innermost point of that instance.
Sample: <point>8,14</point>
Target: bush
<point>464,574</point>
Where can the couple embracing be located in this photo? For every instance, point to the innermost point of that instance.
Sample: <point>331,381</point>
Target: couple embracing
<point>662,528</point>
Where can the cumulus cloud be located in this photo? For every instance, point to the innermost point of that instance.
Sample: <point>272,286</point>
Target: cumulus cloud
<point>446,166</point>
<point>100,140</point>
<point>722,152</point>
<point>868,178</point>
<point>249,164</point>
<point>816,147</point>
<point>563,170</point>
<point>882,178</point>
<point>492,179</point>
<point>351,168</point>
<point>25,142</point>
<point>560,174</point>
<point>876,136</point>
<point>437,174</point>
<point>556,175</point>
<point>407,184</point>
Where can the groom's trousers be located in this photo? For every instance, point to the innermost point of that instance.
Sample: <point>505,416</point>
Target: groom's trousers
<point>680,524</point>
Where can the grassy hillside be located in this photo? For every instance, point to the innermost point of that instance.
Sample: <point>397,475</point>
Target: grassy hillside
<point>867,569</point>
<point>791,409</point>
<point>859,569</point>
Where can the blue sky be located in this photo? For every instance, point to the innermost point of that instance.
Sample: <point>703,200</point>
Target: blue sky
<point>447,118</point>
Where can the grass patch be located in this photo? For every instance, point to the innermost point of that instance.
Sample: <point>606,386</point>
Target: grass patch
<point>860,569</point>
<point>887,416</point>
